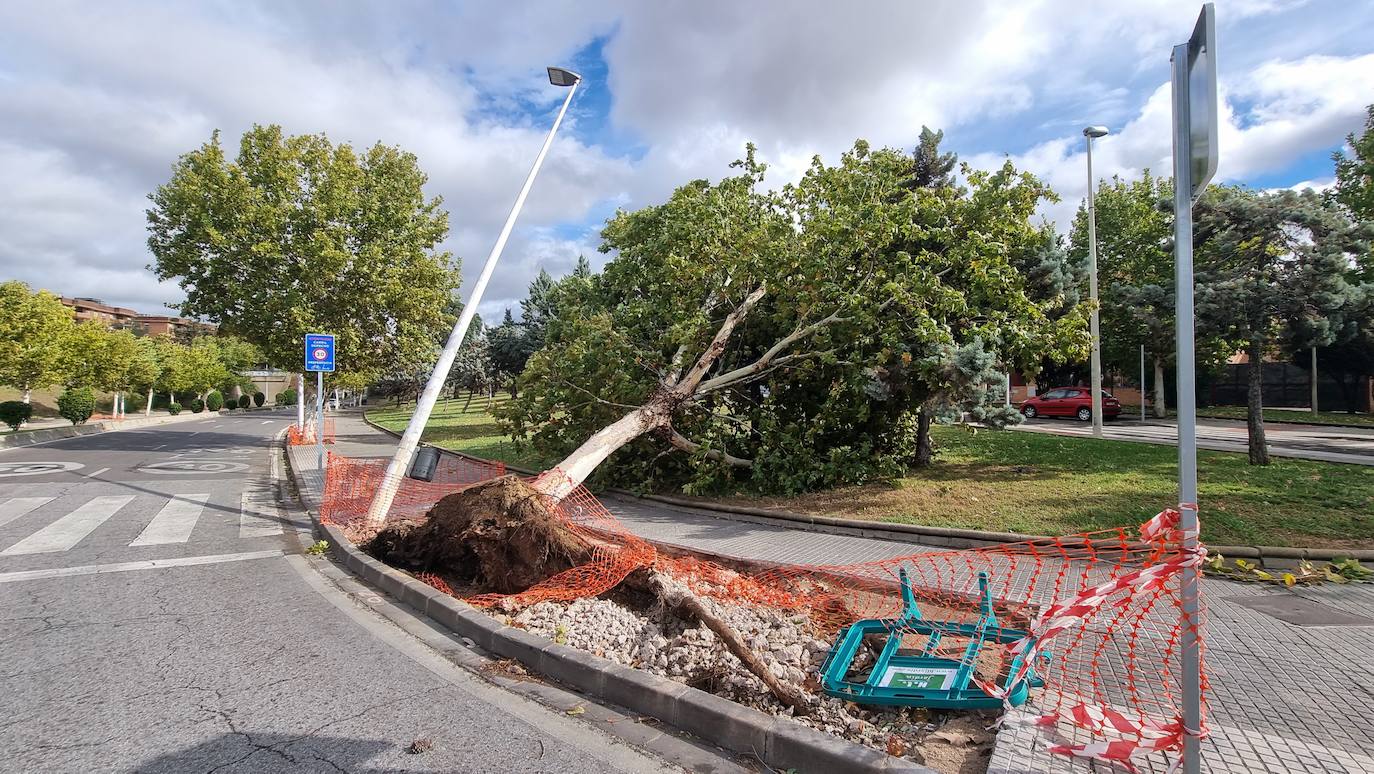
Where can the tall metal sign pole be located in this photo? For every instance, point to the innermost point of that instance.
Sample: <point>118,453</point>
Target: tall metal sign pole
<point>319,357</point>
<point>405,449</point>
<point>1195,161</point>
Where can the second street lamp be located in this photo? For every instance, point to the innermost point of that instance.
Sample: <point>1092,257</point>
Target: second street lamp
<point>1089,133</point>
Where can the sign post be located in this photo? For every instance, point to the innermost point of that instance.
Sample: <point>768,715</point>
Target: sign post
<point>1195,161</point>
<point>319,357</point>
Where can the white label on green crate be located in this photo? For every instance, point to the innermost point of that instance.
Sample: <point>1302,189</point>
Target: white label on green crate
<point>928,678</point>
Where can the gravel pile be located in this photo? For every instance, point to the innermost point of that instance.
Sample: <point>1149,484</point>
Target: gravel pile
<point>661,644</point>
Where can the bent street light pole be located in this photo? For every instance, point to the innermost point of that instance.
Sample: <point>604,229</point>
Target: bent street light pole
<point>1089,133</point>
<point>386,491</point>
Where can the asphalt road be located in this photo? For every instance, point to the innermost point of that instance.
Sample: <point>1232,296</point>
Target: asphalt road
<point>157,615</point>
<point>1351,445</point>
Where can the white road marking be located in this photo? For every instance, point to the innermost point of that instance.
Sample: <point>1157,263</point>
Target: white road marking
<point>147,564</point>
<point>192,435</point>
<point>71,529</point>
<point>174,523</point>
<point>160,446</point>
<point>13,509</point>
<point>95,473</point>
<point>265,422</point>
<point>258,516</point>
<point>37,468</point>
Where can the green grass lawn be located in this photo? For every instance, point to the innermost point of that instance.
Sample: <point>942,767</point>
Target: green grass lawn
<point>1044,485</point>
<point>472,432</point>
<point>1056,485</point>
<point>1289,415</point>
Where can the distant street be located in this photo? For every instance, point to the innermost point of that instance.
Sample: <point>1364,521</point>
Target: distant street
<point>157,615</point>
<point>1312,442</point>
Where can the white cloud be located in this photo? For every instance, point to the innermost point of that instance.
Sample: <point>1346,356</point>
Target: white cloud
<point>100,100</point>
<point>1280,112</point>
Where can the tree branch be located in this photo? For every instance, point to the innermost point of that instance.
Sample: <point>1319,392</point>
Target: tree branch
<point>767,358</point>
<point>693,378</point>
<point>691,447</point>
<point>602,401</point>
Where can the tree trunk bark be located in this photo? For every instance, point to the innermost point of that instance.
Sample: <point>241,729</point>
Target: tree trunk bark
<point>1161,408</point>
<point>469,400</point>
<point>559,482</point>
<point>147,412</point>
<point>1254,400</point>
<point>925,454</point>
<point>28,395</point>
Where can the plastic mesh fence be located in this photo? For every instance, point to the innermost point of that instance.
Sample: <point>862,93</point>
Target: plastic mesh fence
<point>350,484</point>
<point>295,436</point>
<point>1105,606</point>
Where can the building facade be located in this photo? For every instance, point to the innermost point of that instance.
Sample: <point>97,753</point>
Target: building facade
<point>93,309</point>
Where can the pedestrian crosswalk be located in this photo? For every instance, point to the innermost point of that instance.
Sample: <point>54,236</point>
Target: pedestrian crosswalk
<point>174,523</point>
<point>55,524</point>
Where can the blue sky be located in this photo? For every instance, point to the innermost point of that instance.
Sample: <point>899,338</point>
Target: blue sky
<point>100,101</point>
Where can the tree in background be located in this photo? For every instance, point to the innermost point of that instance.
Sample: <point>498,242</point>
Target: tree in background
<point>1272,266</point>
<point>32,331</point>
<point>1135,264</point>
<point>1354,184</point>
<point>510,346</point>
<point>145,370</point>
<point>1351,356</point>
<point>298,235</point>
<point>174,372</point>
<point>86,357</point>
<point>472,366</point>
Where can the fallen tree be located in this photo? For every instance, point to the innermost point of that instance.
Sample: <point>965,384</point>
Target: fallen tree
<point>851,283</point>
<point>793,338</point>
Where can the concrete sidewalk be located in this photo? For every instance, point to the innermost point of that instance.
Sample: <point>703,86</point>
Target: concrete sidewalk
<point>1284,697</point>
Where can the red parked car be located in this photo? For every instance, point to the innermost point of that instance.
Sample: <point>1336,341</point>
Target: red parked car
<point>1069,402</point>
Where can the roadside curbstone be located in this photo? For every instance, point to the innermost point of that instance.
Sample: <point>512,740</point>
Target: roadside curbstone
<point>643,692</point>
<point>724,722</point>
<point>571,666</point>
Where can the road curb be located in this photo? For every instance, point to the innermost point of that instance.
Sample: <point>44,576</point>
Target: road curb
<point>777,742</point>
<point>1273,557</point>
<point>28,438</point>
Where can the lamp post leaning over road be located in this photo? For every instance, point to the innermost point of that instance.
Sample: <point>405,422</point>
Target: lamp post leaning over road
<point>1089,133</point>
<point>386,491</point>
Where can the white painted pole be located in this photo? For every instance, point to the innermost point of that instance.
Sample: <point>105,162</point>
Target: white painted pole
<point>1190,656</point>
<point>319,421</point>
<point>405,449</point>
<point>1096,357</point>
<point>300,402</point>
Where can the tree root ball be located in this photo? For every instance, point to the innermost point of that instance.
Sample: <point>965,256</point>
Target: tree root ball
<point>501,535</point>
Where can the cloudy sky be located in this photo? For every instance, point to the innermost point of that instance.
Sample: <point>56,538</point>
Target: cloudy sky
<point>97,100</point>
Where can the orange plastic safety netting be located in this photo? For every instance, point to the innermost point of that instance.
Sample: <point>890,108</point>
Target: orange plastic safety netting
<point>350,484</point>
<point>295,436</point>
<point>1103,609</point>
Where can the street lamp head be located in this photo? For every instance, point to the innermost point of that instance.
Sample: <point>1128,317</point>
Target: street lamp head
<point>560,77</point>
<point>1094,131</point>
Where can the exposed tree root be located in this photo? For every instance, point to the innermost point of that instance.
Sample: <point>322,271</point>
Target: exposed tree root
<point>680,600</point>
<point>500,535</point>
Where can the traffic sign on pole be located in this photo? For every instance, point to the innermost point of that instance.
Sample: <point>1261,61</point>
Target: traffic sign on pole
<point>1195,161</point>
<point>319,352</point>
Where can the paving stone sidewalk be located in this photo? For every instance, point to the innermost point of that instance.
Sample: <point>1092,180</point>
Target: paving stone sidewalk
<point>1284,697</point>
